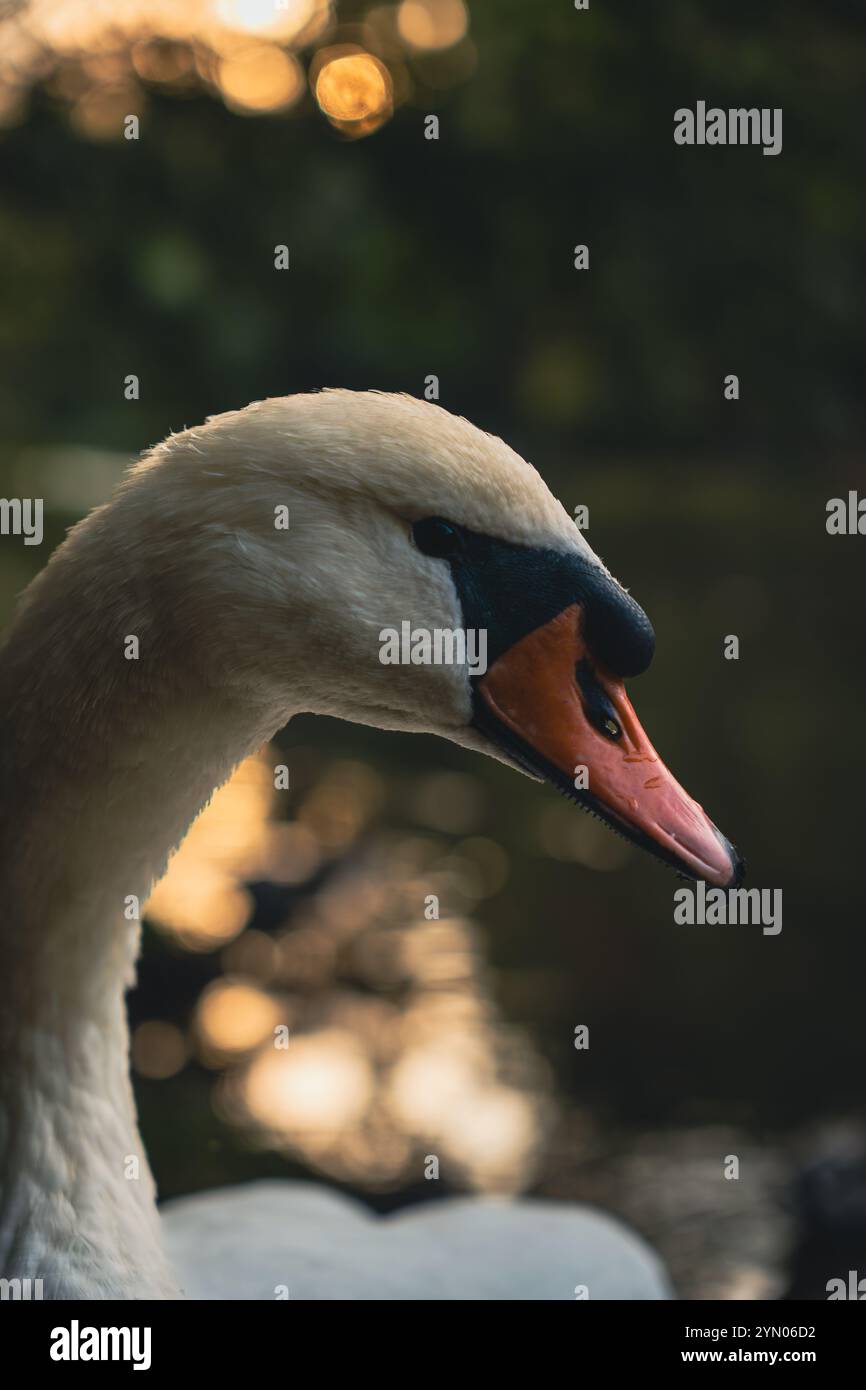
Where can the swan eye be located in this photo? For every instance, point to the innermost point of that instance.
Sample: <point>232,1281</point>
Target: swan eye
<point>436,537</point>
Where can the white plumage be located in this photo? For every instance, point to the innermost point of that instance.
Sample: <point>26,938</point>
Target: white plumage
<point>105,763</point>
<point>294,1240</point>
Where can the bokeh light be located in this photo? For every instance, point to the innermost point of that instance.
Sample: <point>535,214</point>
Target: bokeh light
<point>432,24</point>
<point>233,1017</point>
<point>261,79</point>
<point>201,899</point>
<point>275,19</point>
<point>354,91</point>
<point>159,1050</point>
<point>99,59</point>
<point>352,1031</point>
<point>318,1086</point>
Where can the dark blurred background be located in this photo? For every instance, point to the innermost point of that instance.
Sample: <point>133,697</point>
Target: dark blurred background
<point>454,257</point>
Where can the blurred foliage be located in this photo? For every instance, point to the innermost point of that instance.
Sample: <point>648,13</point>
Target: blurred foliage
<point>454,257</point>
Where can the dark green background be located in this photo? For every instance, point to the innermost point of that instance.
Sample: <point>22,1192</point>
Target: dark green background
<point>454,257</point>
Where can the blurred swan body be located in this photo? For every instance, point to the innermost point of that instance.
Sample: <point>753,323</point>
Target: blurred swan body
<point>107,757</point>
<point>286,1239</point>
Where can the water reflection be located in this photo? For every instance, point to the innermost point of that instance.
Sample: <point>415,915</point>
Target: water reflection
<point>350,1024</point>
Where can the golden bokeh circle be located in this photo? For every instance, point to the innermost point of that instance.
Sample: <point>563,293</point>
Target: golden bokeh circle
<point>353,87</point>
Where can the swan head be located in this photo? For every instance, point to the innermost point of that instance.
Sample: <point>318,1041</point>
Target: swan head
<point>312,547</point>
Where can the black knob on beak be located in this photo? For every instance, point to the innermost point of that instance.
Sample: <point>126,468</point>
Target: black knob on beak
<point>617,630</point>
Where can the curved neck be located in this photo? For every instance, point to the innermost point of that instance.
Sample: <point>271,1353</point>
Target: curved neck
<point>104,763</point>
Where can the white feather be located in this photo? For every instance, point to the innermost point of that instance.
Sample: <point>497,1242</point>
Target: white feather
<point>105,762</point>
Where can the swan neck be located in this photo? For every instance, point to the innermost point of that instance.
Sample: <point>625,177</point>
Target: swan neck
<point>103,765</point>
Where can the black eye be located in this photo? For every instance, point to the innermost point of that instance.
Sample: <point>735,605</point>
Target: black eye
<point>436,537</point>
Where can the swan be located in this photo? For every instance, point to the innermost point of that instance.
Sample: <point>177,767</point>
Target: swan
<point>243,572</point>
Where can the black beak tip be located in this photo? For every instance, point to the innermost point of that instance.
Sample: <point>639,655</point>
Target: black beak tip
<point>738,863</point>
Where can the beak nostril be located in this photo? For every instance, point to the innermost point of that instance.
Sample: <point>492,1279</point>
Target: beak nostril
<point>597,707</point>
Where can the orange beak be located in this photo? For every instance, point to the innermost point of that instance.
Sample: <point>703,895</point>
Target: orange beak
<point>549,705</point>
